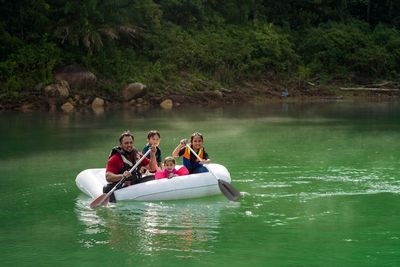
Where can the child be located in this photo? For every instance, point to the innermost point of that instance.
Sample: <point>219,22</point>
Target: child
<point>169,169</point>
<point>153,139</point>
<point>190,161</point>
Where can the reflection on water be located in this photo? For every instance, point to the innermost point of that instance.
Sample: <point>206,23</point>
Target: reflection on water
<point>187,228</point>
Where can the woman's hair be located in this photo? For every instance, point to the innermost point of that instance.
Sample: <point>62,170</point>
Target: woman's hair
<point>126,133</point>
<point>194,135</point>
<point>169,159</point>
<point>153,133</point>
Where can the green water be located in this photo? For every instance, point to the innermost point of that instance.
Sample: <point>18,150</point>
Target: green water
<point>320,185</point>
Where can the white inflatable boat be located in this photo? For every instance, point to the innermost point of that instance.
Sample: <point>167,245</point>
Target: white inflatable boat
<point>91,182</point>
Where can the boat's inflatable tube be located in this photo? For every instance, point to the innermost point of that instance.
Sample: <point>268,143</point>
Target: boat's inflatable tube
<point>91,182</point>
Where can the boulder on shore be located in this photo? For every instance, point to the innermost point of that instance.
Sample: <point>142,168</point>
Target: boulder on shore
<point>132,90</point>
<point>98,103</point>
<point>68,107</point>
<point>59,90</point>
<point>76,76</point>
<point>167,104</point>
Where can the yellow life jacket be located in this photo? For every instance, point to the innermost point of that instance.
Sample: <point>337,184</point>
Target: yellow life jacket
<point>187,154</point>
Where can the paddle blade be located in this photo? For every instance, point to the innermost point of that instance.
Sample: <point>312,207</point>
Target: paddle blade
<point>228,190</point>
<point>99,201</point>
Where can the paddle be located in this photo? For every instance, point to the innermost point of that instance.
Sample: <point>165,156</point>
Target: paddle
<point>104,198</point>
<point>226,188</point>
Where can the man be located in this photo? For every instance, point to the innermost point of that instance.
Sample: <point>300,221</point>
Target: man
<point>122,159</point>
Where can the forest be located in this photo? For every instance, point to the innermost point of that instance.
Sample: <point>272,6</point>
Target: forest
<point>178,45</point>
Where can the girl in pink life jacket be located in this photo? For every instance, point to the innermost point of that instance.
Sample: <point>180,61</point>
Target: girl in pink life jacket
<point>169,169</point>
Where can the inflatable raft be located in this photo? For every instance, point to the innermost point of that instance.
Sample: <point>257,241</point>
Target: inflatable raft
<point>91,182</point>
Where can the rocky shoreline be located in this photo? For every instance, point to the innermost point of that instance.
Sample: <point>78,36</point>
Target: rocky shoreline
<point>59,96</point>
<point>77,103</point>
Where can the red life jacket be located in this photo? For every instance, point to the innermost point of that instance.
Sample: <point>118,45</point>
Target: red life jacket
<point>128,162</point>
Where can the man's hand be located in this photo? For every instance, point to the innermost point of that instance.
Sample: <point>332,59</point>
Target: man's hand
<point>126,174</point>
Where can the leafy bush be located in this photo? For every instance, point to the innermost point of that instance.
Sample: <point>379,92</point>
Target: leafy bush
<point>272,50</point>
<point>388,38</point>
<point>28,66</point>
<point>346,49</point>
<point>225,54</point>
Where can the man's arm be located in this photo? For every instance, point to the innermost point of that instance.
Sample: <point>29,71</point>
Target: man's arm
<point>112,168</point>
<point>112,177</point>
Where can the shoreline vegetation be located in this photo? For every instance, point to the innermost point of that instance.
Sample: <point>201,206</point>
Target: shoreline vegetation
<point>72,55</point>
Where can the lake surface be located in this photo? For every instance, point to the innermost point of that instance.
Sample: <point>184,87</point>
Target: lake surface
<point>320,185</point>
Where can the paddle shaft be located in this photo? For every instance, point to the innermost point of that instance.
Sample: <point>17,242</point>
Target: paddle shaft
<point>124,178</point>
<point>191,149</point>
<point>200,159</point>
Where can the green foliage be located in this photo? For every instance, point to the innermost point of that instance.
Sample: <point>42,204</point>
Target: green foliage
<point>28,66</point>
<point>182,43</point>
<point>388,39</point>
<point>183,12</point>
<point>346,49</point>
<point>225,54</point>
<point>272,50</point>
<point>92,24</point>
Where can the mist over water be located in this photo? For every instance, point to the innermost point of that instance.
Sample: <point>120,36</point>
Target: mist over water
<point>320,187</point>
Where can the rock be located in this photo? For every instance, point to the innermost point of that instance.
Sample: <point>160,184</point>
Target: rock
<point>179,98</point>
<point>97,103</point>
<point>213,94</point>
<point>52,102</point>
<point>77,100</point>
<point>167,104</point>
<point>77,97</point>
<point>56,94</point>
<point>226,91</point>
<point>98,111</point>
<point>88,101</point>
<point>67,107</point>
<point>76,76</point>
<point>132,102</point>
<point>132,90</point>
<point>155,99</point>
<point>27,107</point>
<point>59,90</point>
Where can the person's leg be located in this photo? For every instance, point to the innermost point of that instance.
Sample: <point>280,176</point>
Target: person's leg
<point>107,188</point>
<point>145,179</point>
<point>200,169</point>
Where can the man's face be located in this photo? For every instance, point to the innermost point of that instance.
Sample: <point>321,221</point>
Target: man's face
<point>127,143</point>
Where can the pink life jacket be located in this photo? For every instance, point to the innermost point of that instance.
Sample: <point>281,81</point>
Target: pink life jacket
<point>164,173</point>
